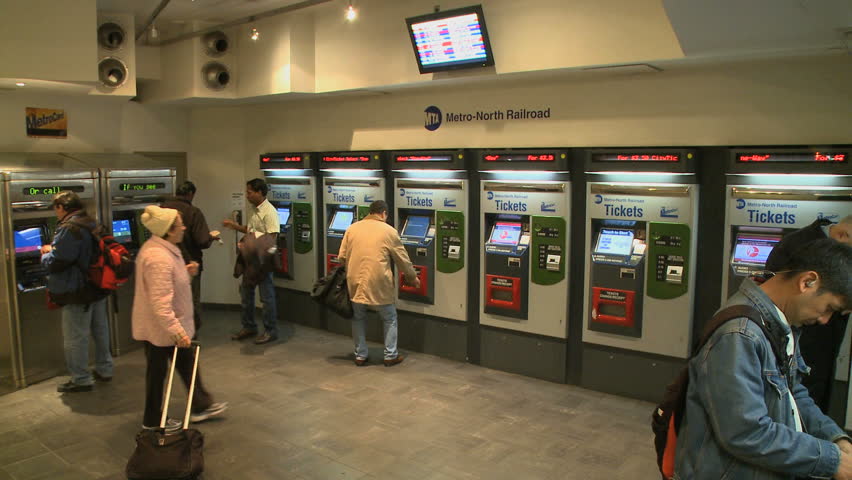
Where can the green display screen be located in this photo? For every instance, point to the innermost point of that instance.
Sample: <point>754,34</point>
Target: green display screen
<point>52,189</point>
<point>133,187</point>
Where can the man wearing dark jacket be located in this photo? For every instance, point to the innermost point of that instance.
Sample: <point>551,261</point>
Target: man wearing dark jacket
<point>84,308</point>
<point>820,344</point>
<point>198,237</point>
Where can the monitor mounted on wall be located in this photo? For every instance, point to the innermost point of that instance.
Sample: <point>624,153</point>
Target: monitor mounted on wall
<point>450,40</point>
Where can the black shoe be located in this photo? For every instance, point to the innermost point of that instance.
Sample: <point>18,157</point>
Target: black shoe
<point>100,377</point>
<point>243,334</point>
<point>71,387</point>
<point>265,338</point>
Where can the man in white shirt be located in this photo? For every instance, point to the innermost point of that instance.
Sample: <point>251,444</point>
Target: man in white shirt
<point>263,219</point>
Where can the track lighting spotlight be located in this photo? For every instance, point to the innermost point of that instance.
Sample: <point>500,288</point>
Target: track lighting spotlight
<point>351,13</point>
<point>254,34</point>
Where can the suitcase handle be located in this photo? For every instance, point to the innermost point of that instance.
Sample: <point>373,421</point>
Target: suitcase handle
<point>191,388</point>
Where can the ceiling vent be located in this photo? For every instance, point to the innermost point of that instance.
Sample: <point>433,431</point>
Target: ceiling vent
<point>111,36</point>
<point>112,72</point>
<point>215,76</point>
<point>215,43</point>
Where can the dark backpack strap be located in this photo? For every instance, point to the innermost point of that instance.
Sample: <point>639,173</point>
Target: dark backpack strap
<point>743,311</point>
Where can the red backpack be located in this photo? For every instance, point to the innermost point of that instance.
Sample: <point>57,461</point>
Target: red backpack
<point>111,264</point>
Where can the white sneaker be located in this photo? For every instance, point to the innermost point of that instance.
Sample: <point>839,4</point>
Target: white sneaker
<point>212,411</point>
<point>172,426</point>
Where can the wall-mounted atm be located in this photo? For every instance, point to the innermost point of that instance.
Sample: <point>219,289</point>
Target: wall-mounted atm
<point>641,221</point>
<point>126,192</point>
<point>292,191</point>
<point>351,181</point>
<point>774,191</point>
<point>525,207</point>
<point>31,349</point>
<point>431,213</point>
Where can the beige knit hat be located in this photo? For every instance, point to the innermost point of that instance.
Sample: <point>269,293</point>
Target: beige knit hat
<point>158,220</point>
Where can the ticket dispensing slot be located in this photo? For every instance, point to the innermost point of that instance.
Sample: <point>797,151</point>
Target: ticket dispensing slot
<point>612,306</point>
<point>342,216</point>
<point>29,237</point>
<point>417,236</point>
<point>507,265</point>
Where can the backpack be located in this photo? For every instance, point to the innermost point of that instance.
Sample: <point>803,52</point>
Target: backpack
<point>111,264</point>
<point>666,417</point>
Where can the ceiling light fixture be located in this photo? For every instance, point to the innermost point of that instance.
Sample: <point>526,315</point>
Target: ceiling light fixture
<point>155,34</point>
<point>351,13</point>
<point>20,84</point>
<point>254,34</point>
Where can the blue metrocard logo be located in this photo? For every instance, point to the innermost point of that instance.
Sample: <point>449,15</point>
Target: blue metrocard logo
<point>741,204</point>
<point>598,199</point>
<point>401,192</point>
<point>668,212</point>
<point>301,196</point>
<point>449,202</point>
<point>490,195</point>
<point>368,198</point>
<point>329,189</point>
<point>548,206</point>
<point>828,216</point>
<point>434,117</point>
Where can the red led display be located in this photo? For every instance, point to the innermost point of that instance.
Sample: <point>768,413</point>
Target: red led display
<point>424,158</point>
<point>634,157</point>
<point>794,157</point>
<point>286,158</point>
<point>346,158</point>
<point>526,157</point>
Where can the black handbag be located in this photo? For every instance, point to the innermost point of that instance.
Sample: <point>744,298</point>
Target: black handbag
<point>332,291</point>
<point>163,456</point>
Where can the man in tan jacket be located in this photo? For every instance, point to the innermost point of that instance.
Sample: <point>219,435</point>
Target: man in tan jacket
<point>367,250</point>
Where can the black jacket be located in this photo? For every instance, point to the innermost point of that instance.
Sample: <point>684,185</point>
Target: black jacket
<point>782,252</point>
<point>197,236</point>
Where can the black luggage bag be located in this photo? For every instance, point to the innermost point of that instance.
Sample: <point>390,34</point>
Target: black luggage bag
<point>162,456</point>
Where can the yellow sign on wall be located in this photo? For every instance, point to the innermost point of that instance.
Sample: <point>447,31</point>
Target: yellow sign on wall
<point>46,123</point>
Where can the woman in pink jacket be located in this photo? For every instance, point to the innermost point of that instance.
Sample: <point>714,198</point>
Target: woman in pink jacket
<point>162,316</point>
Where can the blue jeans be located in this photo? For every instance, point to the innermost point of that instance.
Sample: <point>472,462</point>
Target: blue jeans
<point>267,298</point>
<point>359,325</point>
<point>78,321</point>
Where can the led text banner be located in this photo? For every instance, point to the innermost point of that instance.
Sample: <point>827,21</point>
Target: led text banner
<point>136,187</point>
<point>636,157</point>
<point>51,189</point>
<point>290,160</point>
<point>793,157</point>
<point>519,157</point>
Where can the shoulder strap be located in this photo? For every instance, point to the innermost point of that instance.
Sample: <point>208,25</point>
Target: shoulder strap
<point>743,311</point>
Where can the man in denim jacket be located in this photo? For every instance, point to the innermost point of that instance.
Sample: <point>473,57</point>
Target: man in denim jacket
<point>744,418</point>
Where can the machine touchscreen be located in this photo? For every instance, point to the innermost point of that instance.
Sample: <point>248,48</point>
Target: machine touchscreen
<point>614,242</point>
<point>751,248</point>
<point>283,215</point>
<point>416,226</point>
<point>341,220</point>
<point>28,241</point>
<point>121,231</point>
<point>505,233</point>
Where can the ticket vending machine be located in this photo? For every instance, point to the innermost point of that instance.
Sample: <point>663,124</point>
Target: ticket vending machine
<point>34,349</point>
<point>431,213</point>
<point>774,191</point>
<point>523,314</point>
<point>125,194</point>
<point>292,191</point>
<point>641,220</point>
<point>351,181</point>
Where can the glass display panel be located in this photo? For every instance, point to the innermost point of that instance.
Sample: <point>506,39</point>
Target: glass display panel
<point>614,242</point>
<point>283,215</point>
<point>341,220</point>
<point>121,231</point>
<point>450,39</point>
<point>416,226</point>
<point>28,241</point>
<point>755,249</point>
<point>505,233</point>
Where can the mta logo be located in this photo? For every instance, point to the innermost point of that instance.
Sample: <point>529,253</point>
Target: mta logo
<point>401,192</point>
<point>490,195</point>
<point>434,117</point>
<point>329,189</point>
<point>598,199</point>
<point>740,204</point>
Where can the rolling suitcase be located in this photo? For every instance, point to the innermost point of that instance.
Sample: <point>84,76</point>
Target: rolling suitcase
<point>162,456</point>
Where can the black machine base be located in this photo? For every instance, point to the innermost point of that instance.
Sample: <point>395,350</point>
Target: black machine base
<point>629,374</point>
<point>522,353</point>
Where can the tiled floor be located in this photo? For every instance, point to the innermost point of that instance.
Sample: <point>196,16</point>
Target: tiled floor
<point>301,410</point>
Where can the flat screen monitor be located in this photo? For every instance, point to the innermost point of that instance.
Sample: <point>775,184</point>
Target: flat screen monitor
<point>754,249</point>
<point>613,241</point>
<point>506,233</point>
<point>341,220</point>
<point>283,215</point>
<point>121,231</point>
<point>28,241</point>
<point>416,226</point>
<point>450,40</point>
